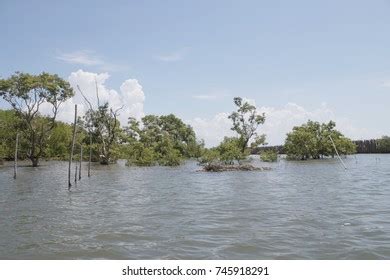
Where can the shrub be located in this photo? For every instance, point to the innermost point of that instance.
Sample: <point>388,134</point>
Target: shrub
<point>269,155</point>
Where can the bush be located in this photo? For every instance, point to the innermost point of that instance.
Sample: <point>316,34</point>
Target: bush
<point>141,156</point>
<point>209,156</point>
<point>269,156</point>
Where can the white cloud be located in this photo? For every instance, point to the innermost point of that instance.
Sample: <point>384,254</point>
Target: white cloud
<point>89,58</point>
<point>131,96</point>
<point>279,121</point>
<point>81,57</point>
<point>174,56</point>
<point>213,130</point>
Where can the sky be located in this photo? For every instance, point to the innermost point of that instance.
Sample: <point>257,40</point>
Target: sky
<point>295,60</point>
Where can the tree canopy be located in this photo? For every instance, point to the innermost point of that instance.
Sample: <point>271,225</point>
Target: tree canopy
<point>27,94</point>
<point>313,140</point>
<point>163,140</point>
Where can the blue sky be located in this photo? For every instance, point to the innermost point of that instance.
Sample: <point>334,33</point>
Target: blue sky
<point>329,58</point>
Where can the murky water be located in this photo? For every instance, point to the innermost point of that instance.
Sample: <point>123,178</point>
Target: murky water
<point>299,210</point>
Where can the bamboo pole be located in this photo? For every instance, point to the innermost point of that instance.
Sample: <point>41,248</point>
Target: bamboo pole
<point>81,160</point>
<point>334,146</point>
<point>90,154</point>
<point>16,156</point>
<point>75,174</point>
<point>72,147</point>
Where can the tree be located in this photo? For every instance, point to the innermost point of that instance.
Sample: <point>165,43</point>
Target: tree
<point>269,155</point>
<point>230,150</point>
<point>384,144</point>
<point>104,125</point>
<point>246,120</point>
<point>58,142</point>
<point>168,137</point>
<point>9,123</point>
<point>312,140</point>
<point>27,94</point>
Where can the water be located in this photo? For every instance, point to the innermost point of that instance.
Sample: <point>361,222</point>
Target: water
<point>298,210</point>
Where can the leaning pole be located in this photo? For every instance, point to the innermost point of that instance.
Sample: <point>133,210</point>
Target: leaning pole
<point>72,147</point>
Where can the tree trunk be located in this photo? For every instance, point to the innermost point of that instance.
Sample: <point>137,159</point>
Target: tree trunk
<point>35,161</point>
<point>72,147</point>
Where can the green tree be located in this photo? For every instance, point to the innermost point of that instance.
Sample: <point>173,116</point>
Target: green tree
<point>246,121</point>
<point>27,94</point>
<point>230,150</point>
<point>384,144</point>
<point>168,137</point>
<point>140,155</point>
<point>104,126</point>
<point>313,140</point>
<point>9,125</point>
<point>269,155</point>
<point>58,141</point>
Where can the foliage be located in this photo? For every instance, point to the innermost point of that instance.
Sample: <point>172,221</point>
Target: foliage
<point>313,140</point>
<point>9,123</point>
<point>140,155</point>
<point>167,138</point>
<point>209,156</point>
<point>58,141</point>
<point>384,144</point>
<point>227,152</point>
<point>269,155</point>
<point>27,94</point>
<point>245,122</point>
<point>230,150</point>
<point>104,126</point>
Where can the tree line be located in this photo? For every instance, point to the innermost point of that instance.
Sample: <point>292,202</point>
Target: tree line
<point>153,140</point>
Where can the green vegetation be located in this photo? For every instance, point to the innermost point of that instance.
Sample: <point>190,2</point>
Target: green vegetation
<point>312,140</point>
<point>164,140</point>
<point>269,155</point>
<point>26,94</point>
<point>246,120</point>
<point>104,127</point>
<point>154,140</point>
<point>384,144</point>
<point>233,150</point>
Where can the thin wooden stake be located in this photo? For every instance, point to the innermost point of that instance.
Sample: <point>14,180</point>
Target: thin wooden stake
<point>16,156</point>
<point>334,146</point>
<point>90,155</point>
<point>72,147</point>
<point>75,174</point>
<point>81,160</point>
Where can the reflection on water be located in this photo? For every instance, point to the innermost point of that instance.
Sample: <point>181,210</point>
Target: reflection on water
<point>298,210</point>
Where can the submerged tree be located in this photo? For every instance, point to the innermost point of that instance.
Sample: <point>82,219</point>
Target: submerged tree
<point>246,121</point>
<point>27,94</point>
<point>163,140</point>
<point>104,125</point>
<point>384,144</point>
<point>313,140</point>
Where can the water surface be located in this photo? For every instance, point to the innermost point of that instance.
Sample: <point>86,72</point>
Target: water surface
<point>298,210</point>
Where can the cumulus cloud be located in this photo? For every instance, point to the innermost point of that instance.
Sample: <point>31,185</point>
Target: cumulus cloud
<point>130,96</point>
<point>279,121</point>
